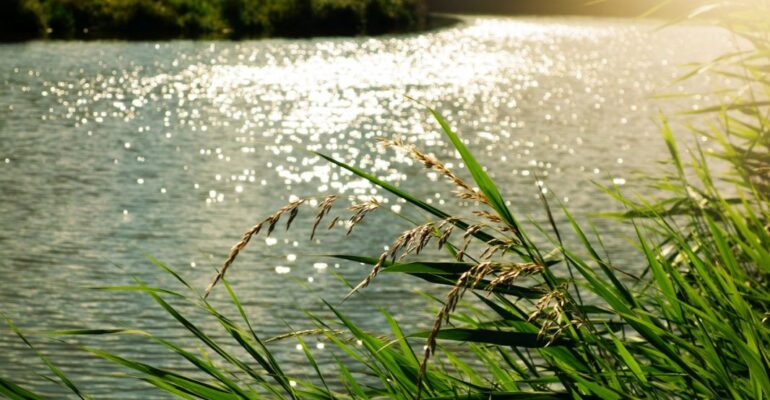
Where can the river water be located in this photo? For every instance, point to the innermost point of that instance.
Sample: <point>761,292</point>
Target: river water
<point>112,150</point>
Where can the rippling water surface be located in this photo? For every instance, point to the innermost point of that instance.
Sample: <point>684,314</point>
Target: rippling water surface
<point>111,150</point>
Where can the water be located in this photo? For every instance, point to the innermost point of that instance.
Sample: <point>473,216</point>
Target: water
<point>110,150</point>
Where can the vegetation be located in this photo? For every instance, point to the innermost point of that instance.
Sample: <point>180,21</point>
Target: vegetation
<point>542,318</point>
<point>152,19</point>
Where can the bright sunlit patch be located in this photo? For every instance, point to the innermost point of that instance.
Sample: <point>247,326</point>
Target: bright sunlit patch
<point>282,270</point>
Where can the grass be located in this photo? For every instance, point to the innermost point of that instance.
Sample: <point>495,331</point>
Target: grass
<point>540,317</point>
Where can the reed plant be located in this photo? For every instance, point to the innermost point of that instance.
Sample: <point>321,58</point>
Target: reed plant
<point>538,316</point>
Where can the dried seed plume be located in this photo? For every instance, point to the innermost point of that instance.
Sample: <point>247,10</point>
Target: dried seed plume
<point>291,209</point>
<point>360,211</point>
<point>323,209</point>
<point>464,190</point>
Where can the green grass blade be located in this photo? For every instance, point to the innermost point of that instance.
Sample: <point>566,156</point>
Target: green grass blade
<point>502,338</point>
<point>64,379</point>
<point>15,392</point>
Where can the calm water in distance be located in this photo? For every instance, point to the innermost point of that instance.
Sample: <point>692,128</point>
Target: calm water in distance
<point>113,150</point>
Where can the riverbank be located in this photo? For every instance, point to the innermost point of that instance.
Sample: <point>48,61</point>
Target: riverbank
<point>219,19</point>
<point>22,20</point>
<point>609,8</point>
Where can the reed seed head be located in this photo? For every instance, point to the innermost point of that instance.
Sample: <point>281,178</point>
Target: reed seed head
<point>469,279</point>
<point>323,209</point>
<point>464,190</point>
<point>360,211</point>
<point>291,208</point>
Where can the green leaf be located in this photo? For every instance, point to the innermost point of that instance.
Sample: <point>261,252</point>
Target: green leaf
<point>484,182</point>
<point>64,379</point>
<point>16,392</point>
<point>502,338</point>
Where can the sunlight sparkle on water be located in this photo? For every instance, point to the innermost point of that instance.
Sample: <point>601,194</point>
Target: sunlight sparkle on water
<point>182,148</point>
<point>282,270</point>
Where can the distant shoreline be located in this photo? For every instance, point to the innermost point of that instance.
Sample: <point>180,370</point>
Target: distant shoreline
<point>607,8</point>
<point>433,23</point>
<point>23,20</point>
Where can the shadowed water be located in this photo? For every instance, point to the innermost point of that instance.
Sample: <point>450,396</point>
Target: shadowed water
<point>112,150</point>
